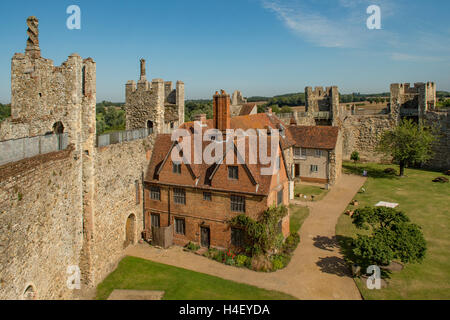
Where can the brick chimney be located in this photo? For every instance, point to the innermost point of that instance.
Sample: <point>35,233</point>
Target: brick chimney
<point>221,111</point>
<point>201,118</point>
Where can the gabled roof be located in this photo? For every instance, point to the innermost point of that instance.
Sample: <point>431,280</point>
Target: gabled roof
<point>204,172</point>
<point>247,109</point>
<point>314,137</point>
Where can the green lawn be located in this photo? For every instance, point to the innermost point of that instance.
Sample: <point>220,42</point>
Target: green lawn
<point>427,204</point>
<point>298,214</point>
<point>179,284</point>
<point>318,192</point>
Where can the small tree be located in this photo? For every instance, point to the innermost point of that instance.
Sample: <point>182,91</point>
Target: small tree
<point>355,157</point>
<point>408,144</point>
<point>392,236</point>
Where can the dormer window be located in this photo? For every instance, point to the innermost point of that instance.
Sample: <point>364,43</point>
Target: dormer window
<point>233,173</point>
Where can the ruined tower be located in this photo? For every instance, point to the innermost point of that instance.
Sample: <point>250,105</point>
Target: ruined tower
<point>412,102</point>
<point>153,105</point>
<point>323,105</point>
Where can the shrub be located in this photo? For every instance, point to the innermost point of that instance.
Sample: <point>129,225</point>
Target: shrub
<point>261,263</point>
<point>220,256</point>
<point>392,236</point>
<point>242,260</point>
<point>192,246</point>
<point>280,261</point>
<point>291,243</point>
<point>391,171</point>
<point>354,156</point>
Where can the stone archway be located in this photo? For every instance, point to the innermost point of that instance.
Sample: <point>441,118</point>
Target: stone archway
<point>130,232</point>
<point>29,293</point>
<point>150,126</point>
<point>58,129</point>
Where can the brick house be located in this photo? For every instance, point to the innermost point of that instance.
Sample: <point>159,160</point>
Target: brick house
<point>200,199</point>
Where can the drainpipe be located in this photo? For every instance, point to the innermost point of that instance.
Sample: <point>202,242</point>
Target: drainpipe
<point>168,207</point>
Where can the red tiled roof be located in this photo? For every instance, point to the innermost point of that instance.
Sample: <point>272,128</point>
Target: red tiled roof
<point>314,137</point>
<point>163,146</point>
<point>247,109</point>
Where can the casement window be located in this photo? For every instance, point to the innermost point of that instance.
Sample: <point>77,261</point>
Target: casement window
<point>155,193</point>
<point>314,168</point>
<point>237,204</point>
<point>180,226</point>
<point>297,152</point>
<point>233,173</point>
<point>155,220</point>
<point>280,197</point>
<point>176,168</point>
<point>304,152</point>
<point>237,237</point>
<point>207,196</point>
<point>318,153</point>
<point>179,196</point>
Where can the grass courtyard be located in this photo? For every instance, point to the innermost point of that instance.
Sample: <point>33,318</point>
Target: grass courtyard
<point>427,204</point>
<point>318,192</point>
<point>298,215</point>
<point>179,284</point>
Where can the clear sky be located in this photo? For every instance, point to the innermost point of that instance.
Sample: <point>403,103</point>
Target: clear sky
<point>261,47</point>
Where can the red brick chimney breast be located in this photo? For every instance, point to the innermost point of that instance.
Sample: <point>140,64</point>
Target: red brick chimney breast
<point>221,110</point>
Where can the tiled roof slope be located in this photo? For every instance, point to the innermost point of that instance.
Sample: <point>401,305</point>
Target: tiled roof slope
<point>203,172</point>
<point>314,137</point>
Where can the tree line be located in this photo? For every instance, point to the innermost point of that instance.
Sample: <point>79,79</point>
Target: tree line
<point>5,111</point>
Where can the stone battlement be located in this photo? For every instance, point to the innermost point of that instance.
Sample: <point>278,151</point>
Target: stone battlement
<point>153,105</point>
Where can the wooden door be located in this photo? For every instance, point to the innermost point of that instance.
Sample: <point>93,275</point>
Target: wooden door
<point>205,237</point>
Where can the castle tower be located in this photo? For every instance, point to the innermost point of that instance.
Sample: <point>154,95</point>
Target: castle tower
<point>153,105</point>
<point>221,110</point>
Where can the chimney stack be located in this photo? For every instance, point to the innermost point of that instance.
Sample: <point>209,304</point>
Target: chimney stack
<point>32,48</point>
<point>201,118</point>
<point>221,111</point>
<point>143,72</point>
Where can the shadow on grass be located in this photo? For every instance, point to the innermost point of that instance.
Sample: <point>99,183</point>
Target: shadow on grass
<point>371,172</point>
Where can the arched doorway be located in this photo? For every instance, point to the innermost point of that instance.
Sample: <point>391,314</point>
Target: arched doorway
<point>130,230</point>
<point>30,293</point>
<point>58,129</point>
<point>150,126</point>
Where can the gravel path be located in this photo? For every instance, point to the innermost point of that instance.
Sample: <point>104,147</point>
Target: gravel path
<point>317,269</point>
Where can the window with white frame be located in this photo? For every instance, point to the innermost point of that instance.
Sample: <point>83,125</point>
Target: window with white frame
<point>314,168</point>
<point>318,153</point>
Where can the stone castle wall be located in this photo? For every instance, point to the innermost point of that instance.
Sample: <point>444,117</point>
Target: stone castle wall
<point>119,170</point>
<point>362,134</point>
<point>41,226</point>
<point>441,148</point>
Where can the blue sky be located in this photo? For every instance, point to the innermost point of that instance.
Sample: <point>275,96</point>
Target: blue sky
<point>262,47</point>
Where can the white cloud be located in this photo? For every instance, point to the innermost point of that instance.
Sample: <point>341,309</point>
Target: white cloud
<point>347,31</point>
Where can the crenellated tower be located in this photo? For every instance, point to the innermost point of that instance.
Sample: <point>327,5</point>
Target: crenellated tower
<point>153,105</point>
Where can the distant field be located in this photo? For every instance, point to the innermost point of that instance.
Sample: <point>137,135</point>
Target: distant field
<point>427,204</point>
